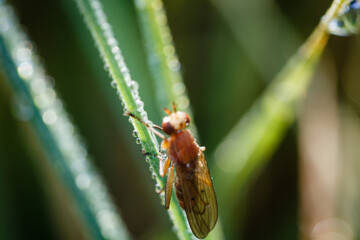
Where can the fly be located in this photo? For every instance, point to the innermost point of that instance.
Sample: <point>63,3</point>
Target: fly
<point>187,170</point>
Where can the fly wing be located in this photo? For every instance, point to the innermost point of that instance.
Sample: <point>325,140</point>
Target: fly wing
<point>198,196</point>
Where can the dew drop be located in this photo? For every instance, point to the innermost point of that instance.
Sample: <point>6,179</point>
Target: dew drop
<point>115,49</point>
<point>49,117</point>
<point>135,95</point>
<point>124,69</point>
<point>157,187</point>
<point>118,57</point>
<point>105,26</point>
<point>162,198</point>
<point>135,133</point>
<point>140,104</point>
<point>157,5</point>
<point>23,53</point>
<point>106,67</point>
<point>144,115</point>
<point>166,37</point>
<point>183,102</point>
<point>169,50</point>
<point>134,86</point>
<point>38,85</point>
<point>179,88</point>
<point>112,41</point>
<point>83,181</point>
<point>348,21</point>
<point>25,70</point>
<point>113,84</point>
<point>174,64</point>
<point>161,19</point>
<point>96,5</point>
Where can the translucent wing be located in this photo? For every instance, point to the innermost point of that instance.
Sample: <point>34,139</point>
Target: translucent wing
<point>198,196</point>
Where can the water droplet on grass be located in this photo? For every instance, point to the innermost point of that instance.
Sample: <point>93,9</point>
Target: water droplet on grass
<point>157,5</point>
<point>83,181</point>
<point>25,70</point>
<point>135,133</point>
<point>348,21</point>
<point>49,117</point>
<point>169,50</point>
<point>174,64</point>
<point>113,84</point>
<point>179,88</point>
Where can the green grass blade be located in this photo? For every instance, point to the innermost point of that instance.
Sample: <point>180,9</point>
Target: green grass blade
<point>101,31</point>
<point>162,59</point>
<point>253,140</point>
<point>43,109</point>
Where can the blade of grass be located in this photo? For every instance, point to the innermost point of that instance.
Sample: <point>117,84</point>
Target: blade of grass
<point>101,31</point>
<point>252,141</point>
<point>162,59</point>
<point>67,154</point>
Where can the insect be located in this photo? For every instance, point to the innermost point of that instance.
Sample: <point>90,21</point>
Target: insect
<point>193,186</point>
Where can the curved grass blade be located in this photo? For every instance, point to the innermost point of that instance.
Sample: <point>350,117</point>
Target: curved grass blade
<point>162,59</point>
<point>250,143</point>
<point>67,154</point>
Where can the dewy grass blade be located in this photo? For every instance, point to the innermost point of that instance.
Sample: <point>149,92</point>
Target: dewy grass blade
<point>259,132</point>
<point>101,31</point>
<point>66,152</point>
<point>162,59</point>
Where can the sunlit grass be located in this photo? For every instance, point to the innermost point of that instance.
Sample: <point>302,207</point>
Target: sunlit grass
<point>39,105</point>
<point>256,136</point>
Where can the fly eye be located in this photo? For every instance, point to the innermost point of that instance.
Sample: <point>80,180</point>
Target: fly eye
<point>167,128</point>
<point>187,120</point>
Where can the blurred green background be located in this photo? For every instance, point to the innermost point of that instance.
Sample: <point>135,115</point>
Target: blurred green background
<point>229,51</point>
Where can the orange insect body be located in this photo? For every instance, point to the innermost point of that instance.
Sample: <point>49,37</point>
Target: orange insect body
<point>193,185</point>
<point>183,148</point>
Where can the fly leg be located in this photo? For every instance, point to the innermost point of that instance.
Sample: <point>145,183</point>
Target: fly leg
<point>168,186</point>
<point>151,128</point>
<point>163,165</point>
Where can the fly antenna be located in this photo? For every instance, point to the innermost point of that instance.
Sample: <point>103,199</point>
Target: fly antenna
<point>174,106</point>
<point>167,111</point>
